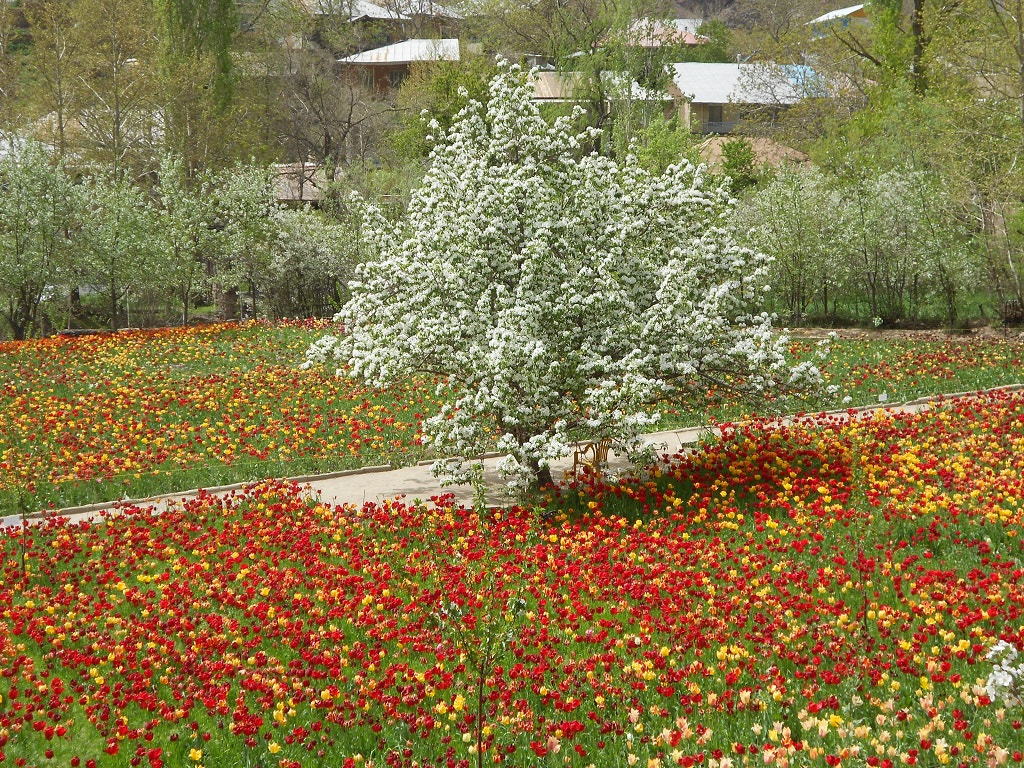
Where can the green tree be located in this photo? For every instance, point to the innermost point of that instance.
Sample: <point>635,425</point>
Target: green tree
<point>739,164</point>
<point>39,206</point>
<point>10,66</point>
<point>203,28</point>
<point>905,250</point>
<point>246,212</point>
<point>717,48</point>
<point>596,45</point>
<point>799,219</point>
<point>623,83</point>
<point>663,143</point>
<point>116,250</point>
<point>186,229</point>
<point>976,71</point>
<point>312,259</point>
<point>436,93</point>
<point>197,80</point>
<point>912,86</point>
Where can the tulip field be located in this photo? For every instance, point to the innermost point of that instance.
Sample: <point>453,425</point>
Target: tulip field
<point>845,590</point>
<point>96,418</point>
<point>826,593</point>
<point>128,415</point>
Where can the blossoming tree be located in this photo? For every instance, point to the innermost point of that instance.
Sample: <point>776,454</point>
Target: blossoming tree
<point>558,294</point>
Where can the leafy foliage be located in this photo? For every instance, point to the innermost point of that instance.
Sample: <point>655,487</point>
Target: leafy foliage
<point>664,143</point>
<point>116,252</point>
<point>204,27</point>
<point>883,245</point>
<point>796,218</point>
<point>739,163</point>
<point>438,93</point>
<point>185,228</point>
<point>38,207</point>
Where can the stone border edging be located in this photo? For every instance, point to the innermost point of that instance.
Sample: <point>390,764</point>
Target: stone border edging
<point>100,506</point>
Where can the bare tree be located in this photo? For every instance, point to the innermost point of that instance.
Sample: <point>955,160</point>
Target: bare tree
<point>117,115</point>
<point>330,117</point>
<point>9,65</point>
<point>57,67</point>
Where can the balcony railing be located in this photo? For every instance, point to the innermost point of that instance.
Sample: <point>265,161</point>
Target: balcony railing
<point>724,126</point>
<point>730,126</point>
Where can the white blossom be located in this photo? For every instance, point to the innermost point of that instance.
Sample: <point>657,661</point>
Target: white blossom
<point>1006,681</point>
<point>558,294</point>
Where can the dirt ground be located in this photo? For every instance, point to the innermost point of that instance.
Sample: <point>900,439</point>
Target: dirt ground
<point>765,150</point>
<point>985,332</point>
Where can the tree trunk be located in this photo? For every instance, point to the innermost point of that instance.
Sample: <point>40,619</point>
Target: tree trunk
<point>186,297</point>
<point>18,330</point>
<point>113,306</point>
<point>226,301</point>
<point>542,476</point>
<point>918,75</point>
<point>1020,60</point>
<point>74,307</point>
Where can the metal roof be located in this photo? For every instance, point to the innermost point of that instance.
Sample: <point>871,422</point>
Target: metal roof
<point>408,51</point>
<point>745,83</point>
<point>854,11</point>
<point>354,9</point>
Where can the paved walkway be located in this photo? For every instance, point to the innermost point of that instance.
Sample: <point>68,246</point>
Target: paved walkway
<point>374,484</point>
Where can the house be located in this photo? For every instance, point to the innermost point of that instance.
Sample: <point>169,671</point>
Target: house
<point>429,19</point>
<point>354,10</point>
<point>383,69</point>
<point>299,183</point>
<point>655,33</point>
<point>838,20</point>
<point>577,87</point>
<point>389,20</point>
<point>714,98</point>
<point>372,23</point>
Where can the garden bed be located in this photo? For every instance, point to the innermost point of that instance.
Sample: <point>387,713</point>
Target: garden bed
<point>823,593</point>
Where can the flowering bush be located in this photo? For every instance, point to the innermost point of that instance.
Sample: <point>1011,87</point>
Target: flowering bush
<point>878,250</point>
<point>558,294</point>
<point>1006,681</point>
